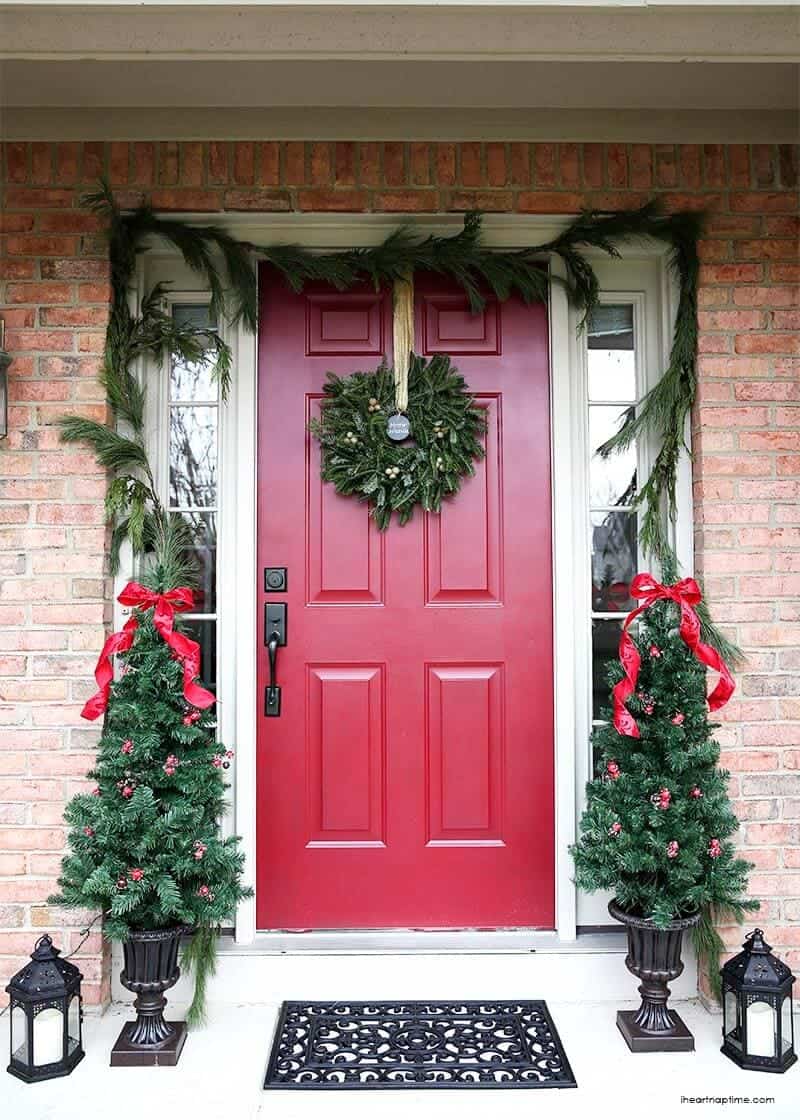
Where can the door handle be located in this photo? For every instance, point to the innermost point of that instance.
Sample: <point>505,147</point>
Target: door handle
<point>272,701</point>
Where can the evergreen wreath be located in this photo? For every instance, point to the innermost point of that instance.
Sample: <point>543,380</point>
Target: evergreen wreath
<point>360,458</point>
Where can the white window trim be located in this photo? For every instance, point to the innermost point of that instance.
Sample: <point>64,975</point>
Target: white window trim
<point>237,589</point>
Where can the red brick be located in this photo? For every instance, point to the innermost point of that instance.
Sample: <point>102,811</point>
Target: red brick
<point>787,160</point>
<point>256,198</point>
<point>188,198</point>
<point>765,202</point>
<point>617,161</point>
<point>666,166</point>
<point>192,164</point>
<point>739,165</point>
<point>144,160</point>
<point>731,273</point>
<point>16,161</point>
<point>269,164</point>
<point>569,166</point>
<point>218,161</point>
<point>244,163</point>
<point>445,164</point>
<point>345,175</point>
<point>763,343</point>
<point>39,293</point>
<point>542,202</point>
<point>593,165</point>
<point>32,245</point>
<point>764,165</point>
<point>689,156</point>
<point>420,164</point>
<point>730,320</point>
<point>168,170</point>
<point>41,163</point>
<point>294,163</point>
<point>544,161</point>
<point>370,164</point>
<point>409,201</point>
<point>93,161</point>
<point>471,170</point>
<point>496,168</point>
<point>759,296</point>
<point>331,199</point>
<point>714,162</point>
<point>394,168</point>
<point>641,166</point>
<point>520,165</point>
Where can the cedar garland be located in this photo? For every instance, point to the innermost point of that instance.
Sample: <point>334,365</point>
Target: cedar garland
<point>226,264</point>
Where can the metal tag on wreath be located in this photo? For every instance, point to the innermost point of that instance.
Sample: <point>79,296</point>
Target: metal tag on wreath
<point>398,427</point>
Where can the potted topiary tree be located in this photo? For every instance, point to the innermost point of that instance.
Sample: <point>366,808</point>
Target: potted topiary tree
<point>657,825</point>
<point>146,848</point>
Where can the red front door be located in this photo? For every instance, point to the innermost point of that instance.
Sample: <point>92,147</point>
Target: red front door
<point>408,781</point>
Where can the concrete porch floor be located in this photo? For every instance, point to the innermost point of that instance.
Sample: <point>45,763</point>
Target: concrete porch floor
<point>220,1073</point>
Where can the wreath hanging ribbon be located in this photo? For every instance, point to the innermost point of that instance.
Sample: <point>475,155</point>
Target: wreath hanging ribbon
<point>184,649</point>
<point>686,594</point>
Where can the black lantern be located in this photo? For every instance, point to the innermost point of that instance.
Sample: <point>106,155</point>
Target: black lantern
<point>46,1016</point>
<point>757,1025</point>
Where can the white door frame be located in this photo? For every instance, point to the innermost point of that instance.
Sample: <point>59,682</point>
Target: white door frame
<point>237,591</point>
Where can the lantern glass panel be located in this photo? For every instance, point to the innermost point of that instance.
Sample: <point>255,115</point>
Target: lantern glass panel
<point>19,1035</point>
<point>48,1037</point>
<point>74,1025</point>
<point>786,1026</point>
<point>761,1023</point>
<point>733,1026</point>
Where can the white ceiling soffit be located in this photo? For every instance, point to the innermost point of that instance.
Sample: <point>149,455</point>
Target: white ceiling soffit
<point>622,31</point>
<point>624,74</point>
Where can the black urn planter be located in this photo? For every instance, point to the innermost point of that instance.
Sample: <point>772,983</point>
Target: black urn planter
<point>654,955</point>
<point>151,967</point>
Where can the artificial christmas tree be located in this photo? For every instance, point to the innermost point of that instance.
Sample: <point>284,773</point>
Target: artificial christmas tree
<point>145,843</point>
<point>658,820</point>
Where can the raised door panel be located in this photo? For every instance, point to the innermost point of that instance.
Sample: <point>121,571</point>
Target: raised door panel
<point>345,755</point>
<point>340,324</point>
<point>465,748</point>
<point>463,545</point>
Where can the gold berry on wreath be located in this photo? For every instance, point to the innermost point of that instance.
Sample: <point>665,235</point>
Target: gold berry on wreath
<point>361,460</point>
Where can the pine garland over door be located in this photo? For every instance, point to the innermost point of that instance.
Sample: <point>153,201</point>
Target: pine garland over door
<point>226,265</point>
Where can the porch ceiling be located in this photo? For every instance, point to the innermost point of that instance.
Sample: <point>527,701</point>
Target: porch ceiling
<point>623,72</point>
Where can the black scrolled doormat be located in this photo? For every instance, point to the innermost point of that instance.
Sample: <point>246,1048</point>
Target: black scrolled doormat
<point>435,1044</point>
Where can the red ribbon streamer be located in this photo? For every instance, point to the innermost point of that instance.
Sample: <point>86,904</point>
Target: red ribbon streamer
<point>686,594</point>
<point>184,649</point>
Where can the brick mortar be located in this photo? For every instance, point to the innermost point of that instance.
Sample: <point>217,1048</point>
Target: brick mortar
<point>55,593</point>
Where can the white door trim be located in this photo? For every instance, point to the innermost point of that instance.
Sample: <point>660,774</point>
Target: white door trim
<point>237,641</point>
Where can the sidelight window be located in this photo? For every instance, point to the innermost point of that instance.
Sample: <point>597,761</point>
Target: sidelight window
<point>613,381</point>
<point>193,483</point>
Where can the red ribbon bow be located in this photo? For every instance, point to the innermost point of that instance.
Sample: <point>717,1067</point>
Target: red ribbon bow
<point>184,649</point>
<point>686,594</point>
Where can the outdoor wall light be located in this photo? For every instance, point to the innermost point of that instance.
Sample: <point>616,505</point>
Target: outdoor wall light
<point>46,1016</point>
<point>757,1026</point>
<point>5,362</point>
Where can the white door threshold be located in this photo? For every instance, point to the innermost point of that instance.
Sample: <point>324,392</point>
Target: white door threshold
<point>403,941</point>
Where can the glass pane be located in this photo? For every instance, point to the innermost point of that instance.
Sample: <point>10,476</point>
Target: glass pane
<point>732,1028</point>
<point>786,1025</point>
<point>203,555</point>
<point>204,631</point>
<point>611,357</point>
<point>19,1036</point>
<point>761,1023</point>
<point>74,1024</point>
<point>605,649</point>
<point>614,560</point>
<point>192,381</point>
<point>192,456</point>
<point>612,481</point>
<point>48,1037</point>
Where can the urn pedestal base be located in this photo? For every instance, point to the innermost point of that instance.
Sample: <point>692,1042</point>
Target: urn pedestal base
<point>640,1041</point>
<point>166,1053</point>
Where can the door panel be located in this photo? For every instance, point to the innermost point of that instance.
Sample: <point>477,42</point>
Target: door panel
<point>408,781</point>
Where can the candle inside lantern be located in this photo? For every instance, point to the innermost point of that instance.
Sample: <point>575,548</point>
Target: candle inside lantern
<point>48,1037</point>
<point>760,1030</point>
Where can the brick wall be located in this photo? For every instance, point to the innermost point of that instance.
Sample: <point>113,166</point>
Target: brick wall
<point>54,595</point>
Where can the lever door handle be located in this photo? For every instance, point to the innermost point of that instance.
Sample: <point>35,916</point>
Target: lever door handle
<point>272,705</point>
